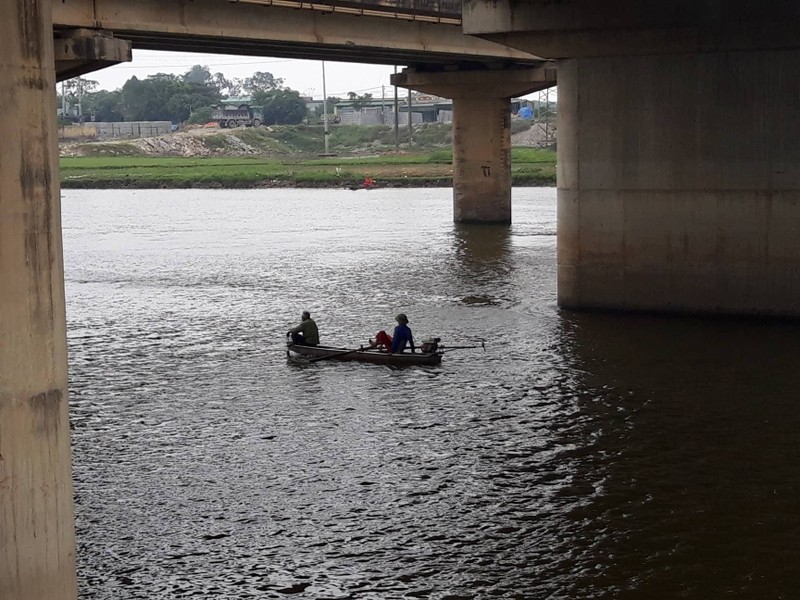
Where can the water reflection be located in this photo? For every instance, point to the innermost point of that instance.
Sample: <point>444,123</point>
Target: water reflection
<point>680,455</point>
<point>482,246</point>
<point>482,258</point>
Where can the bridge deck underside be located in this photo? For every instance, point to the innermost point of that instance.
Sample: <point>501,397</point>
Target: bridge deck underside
<point>297,50</point>
<point>262,28</point>
<point>441,11</point>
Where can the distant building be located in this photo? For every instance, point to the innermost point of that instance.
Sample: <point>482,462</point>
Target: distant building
<point>312,105</point>
<point>424,109</point>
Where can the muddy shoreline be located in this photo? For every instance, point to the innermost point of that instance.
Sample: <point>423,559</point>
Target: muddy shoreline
<point>140,184</point>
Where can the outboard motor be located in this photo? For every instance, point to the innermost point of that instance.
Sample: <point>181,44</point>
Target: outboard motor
<point>430,345</point>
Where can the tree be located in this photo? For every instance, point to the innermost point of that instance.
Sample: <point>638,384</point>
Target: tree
<point>261,81</point>
<point>148,99</point>
<point>133,97</point>
<point>282,107</point>
<point>359,102</point>
<point>165,97</point>
<point>198,74</point>
<point>78,86</point>
<point>227,87</point>
<point>75,90</point>
<point>200,116</point>
<point>201,75</point>
<point>104,106</point>
<point>189,97</point>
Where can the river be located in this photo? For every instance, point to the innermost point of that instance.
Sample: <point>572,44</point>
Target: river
<point>578,456</point>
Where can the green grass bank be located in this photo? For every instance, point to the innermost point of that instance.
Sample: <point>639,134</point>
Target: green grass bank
<point>529,167</point>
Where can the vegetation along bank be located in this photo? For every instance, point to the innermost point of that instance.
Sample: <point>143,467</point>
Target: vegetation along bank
<point>281,157</point>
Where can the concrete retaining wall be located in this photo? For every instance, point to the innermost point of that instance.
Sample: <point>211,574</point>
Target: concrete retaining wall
<point>108,131</point>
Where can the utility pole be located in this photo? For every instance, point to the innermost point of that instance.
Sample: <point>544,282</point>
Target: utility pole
<point>410,126</point>
<point>383,104</point>
<point>80,99</point>
<point>396,122</point>
<point>324,108</point>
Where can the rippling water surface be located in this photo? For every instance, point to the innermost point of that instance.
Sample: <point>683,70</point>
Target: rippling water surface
<point>579,456</point>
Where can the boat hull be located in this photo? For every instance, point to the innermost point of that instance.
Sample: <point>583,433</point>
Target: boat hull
<point>370,356</point>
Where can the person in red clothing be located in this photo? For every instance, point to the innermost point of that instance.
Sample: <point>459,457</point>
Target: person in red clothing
<point>382,341</point>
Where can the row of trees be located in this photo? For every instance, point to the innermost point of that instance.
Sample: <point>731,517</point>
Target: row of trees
<point>188,97</point>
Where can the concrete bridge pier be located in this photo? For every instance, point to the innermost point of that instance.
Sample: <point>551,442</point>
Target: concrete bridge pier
<point>678,153</point>
<point>481,133</point>
<point>678,183</point>
<point>37,540</point>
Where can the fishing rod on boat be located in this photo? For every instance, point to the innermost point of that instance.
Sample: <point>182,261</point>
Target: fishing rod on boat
<point>445,348</point>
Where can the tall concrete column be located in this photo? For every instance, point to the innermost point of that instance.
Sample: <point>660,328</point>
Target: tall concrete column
<point>37,540</point>
<point>481,160</point>
<point>678,183</point>
<point>481,133</point>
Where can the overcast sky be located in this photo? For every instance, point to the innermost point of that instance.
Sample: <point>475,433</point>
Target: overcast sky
<point>305,76</point>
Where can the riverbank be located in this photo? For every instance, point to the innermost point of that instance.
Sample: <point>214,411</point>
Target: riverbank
<point>433,168</point>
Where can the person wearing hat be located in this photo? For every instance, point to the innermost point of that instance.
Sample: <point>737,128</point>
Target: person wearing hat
<point>402,335</point>
<point>305,334</point>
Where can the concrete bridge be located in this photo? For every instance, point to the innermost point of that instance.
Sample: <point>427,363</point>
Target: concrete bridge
<point>678,170</point>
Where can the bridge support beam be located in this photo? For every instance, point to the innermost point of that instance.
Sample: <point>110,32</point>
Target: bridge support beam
<point>678,179</point>
<point>37,540</point>
<point>81,51</point>
<point>481,133</point>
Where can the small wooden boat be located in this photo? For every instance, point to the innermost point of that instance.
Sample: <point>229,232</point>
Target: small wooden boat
<point>370,355</point>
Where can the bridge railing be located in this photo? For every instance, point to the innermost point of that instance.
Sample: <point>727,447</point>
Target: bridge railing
<point>436,11</point>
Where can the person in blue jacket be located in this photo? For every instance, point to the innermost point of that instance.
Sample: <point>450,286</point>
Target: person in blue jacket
<point>402,335</point>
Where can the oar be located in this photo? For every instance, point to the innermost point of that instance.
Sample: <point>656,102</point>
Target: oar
<point>446,348</point>
<point>343,353</point>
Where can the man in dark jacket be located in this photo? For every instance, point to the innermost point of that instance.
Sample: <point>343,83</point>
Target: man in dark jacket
<point>402,335</point>
<point>305,334</point>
